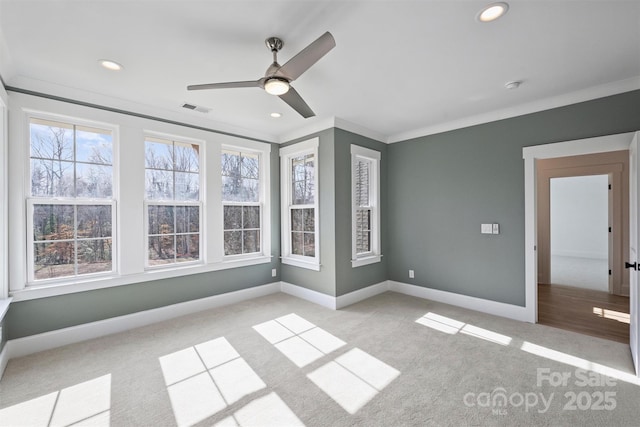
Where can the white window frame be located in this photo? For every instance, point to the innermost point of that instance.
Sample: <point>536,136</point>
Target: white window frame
<point>35,200</point>
<point>286,155</point>
<point>4,197</point>
<point>359,153</point>
<point>129,225</point>
<point>175,203</point>
<point>263,160</point>
<point>31,201</point>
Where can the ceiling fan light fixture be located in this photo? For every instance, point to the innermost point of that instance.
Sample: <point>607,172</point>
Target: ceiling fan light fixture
<point>276,86</point>
<point>492,11</point>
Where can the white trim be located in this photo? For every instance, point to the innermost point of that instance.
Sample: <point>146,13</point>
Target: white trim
<point>594,92</point>
<point>35,343</point>
<point>4,307</point>
<point>31,200</point>
<point>181,116</point>
<point>373,158</point>
<point>264,202</point>
<point>581,254</point>
<point>318,125</point>
<point>358,129</point>
<point>495,308</point>
<point>307,294</point>
<point>171,139</point>
<point>370,259</point>
<point>74,334</point>
<point>299,262</point>
<point>4,358</point>
<point>309,146</point>
<point>299,147</point>
<point>334,303</point>
<point>90,284</point>
<point>599,144</point>
<point>4,193</point>
<point>361,294</point>
<point>315,125</point>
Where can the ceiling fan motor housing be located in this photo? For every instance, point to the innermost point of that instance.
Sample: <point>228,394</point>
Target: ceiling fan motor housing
<point>274,44</point>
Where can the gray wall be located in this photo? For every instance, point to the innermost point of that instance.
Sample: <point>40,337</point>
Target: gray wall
<point>336,276</point>
<point>36,316</point>
<point>349,279</point>
<point>442,187</point>
<point>438,190</point>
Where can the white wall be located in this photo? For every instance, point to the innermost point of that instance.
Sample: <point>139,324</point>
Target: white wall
<point>4,103</point>
<point>579,216</point>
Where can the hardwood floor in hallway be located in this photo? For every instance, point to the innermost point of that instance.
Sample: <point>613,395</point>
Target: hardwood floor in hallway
<point>589,312</point>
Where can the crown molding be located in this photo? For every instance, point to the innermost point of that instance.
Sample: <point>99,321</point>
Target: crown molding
<point>80,96</point>
<point>575,97</point>
<point>331,122</point>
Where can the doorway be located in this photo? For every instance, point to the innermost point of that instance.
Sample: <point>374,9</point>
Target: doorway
<point>579,222</point>
<point>583,239</point>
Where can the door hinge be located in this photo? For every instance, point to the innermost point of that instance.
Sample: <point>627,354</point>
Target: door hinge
<point>609,186</point>
<point>609,272</point>
<point>609,229</point>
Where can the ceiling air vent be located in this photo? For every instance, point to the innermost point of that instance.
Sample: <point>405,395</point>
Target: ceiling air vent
<point>195,108</point>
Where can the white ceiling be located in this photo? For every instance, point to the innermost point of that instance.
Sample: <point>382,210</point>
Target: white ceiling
<point>400,68</point>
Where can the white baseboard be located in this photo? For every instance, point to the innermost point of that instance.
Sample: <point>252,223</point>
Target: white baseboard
<point>472,303</point>
<point>48,340</point>
<point>361,294</point>
<point>334,303</point>
<point>307,294</point>
<point>4,358</point>
<point>581,254</point>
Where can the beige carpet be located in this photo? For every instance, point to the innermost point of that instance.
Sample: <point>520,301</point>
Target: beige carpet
<point>392,360</point>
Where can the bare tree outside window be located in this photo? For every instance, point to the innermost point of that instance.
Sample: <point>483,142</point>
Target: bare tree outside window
<point>241,202</point>
<point>72,199</point>
<point>172,191</point>
<point>302,209</point>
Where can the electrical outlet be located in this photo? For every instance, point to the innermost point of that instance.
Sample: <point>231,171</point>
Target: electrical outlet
<point>411,274</point>
<point>496,228</point>
<point>273,272</point>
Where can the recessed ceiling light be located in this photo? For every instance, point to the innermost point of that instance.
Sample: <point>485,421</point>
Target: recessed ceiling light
<point>513,85</point>
<point>276,115</point>
<point>110,65</point>
<point>492,11</point>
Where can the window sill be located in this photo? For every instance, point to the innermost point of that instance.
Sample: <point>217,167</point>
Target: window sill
<point>365,260</point>
<point>301,263</point>
<point>4,307</point>
<point>36,291</point>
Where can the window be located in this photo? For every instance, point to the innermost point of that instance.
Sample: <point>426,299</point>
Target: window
<point>172,201</point>
<point>365,212</point>
<point>300,204</point>
<point>241,202</point>
<point>71,210</point>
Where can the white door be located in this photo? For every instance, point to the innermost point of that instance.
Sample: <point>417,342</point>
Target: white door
<point>634,240</point>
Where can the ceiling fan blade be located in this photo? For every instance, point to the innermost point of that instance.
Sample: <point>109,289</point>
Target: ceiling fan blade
<point>228,85</point>
<point>295,101</point>
<point>307,57</point>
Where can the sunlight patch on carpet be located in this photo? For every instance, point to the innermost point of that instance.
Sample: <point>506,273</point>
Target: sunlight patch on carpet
<point>87,403</point>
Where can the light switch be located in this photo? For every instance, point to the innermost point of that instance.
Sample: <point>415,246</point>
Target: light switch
<point>496,229</point>
<point>486,229</point>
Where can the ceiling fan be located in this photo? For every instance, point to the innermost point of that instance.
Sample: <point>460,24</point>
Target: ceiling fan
<point>277,80</point>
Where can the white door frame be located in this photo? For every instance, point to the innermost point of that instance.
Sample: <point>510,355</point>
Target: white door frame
<point>601,144</point>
